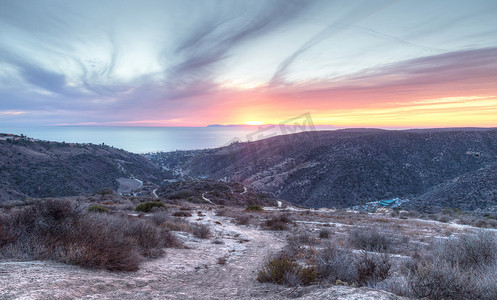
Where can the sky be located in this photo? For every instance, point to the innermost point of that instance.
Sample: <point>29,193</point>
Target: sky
<point>371,63</point>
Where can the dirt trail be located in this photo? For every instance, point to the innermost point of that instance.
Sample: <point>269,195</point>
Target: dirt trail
<point>182,274</point>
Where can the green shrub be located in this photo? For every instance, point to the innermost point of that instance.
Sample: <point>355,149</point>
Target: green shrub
<point>308,275</point>
<point>148,206</point>
<point>98,208</point>
<point>274,271</point>
<point>253,208</point>
<point>284,270</point>
<point>104,192</point>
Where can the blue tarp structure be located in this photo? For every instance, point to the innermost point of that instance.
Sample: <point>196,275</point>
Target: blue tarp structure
<point>397,202</point>
<point>388,202</point>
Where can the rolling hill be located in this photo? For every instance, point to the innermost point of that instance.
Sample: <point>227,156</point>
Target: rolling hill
<point>50,169</point>
<point>438,167</point>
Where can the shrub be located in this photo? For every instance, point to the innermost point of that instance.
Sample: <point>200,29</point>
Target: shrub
<point>370,239</point>
<point>104,192</point>
<point>334,264</point>
<point>296,242</point>
<point>274,270</point>
<point>181,194</point>
<point>149,238</point>
<point>444,218</point>
<point>222,260</point>
<point>459,268</point>
<point>242,220</point>
<point>160,217</point>
<point>182,214</point>
<point>372,268</point>
<point>324,233</point>
<point>284,270</point>
<point>221,212</point>
<point>148,206</point>
<point>468,250</point>
<point>201,231</point>
<point>59,230</point>
<point>277,222</point>
<point>253,208</point>
<point>170,240</point>
<point>175,224</point>
<point>438,281</point>
<point>308,275</point>
<point>98,208</point>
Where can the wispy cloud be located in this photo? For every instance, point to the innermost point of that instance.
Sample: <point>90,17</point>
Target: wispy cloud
<point>160,62</point>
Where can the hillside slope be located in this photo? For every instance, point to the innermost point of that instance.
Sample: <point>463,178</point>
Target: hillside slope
<point>49,169</point>
<point>470,191</point>
<point>347,167</point>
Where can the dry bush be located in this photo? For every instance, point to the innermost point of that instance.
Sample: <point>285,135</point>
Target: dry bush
<point>469,250</point>
<point>201,231</point>
<point>303,239</point>
<point>325,233</point>
<point>62,231</point>
<point>279,222</point>
<point>147,237</point>
<point>296,243</point>
<point>175,224</point>
<point>181,194</point>
<point>182,214</point>
<point>221,212</point>
<point>458,268</point>
<point>438,281</point>
<point>222,260</point>
<point>443,218</point>
<point>371,239</point>
<point>159,217</point>
<point>398,285</point>
<point>372,268</point>
<point>242,220</point>
<point>170,240</point>
<point>333,263</point>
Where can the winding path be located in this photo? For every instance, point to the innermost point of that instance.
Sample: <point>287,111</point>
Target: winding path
<point>205,198</point>
<point>244,190</point>
<point>182,274</point>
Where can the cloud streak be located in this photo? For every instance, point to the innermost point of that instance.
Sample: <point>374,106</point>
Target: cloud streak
<point>171,63</point>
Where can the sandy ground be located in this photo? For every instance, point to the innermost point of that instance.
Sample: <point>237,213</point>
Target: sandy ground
<point>192,273</point>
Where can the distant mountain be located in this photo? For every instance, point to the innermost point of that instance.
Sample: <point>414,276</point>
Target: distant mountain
<point>50,169</point>
<point>438,167</point>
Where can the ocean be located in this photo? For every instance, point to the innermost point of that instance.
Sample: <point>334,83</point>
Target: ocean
<point>150,139</point>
